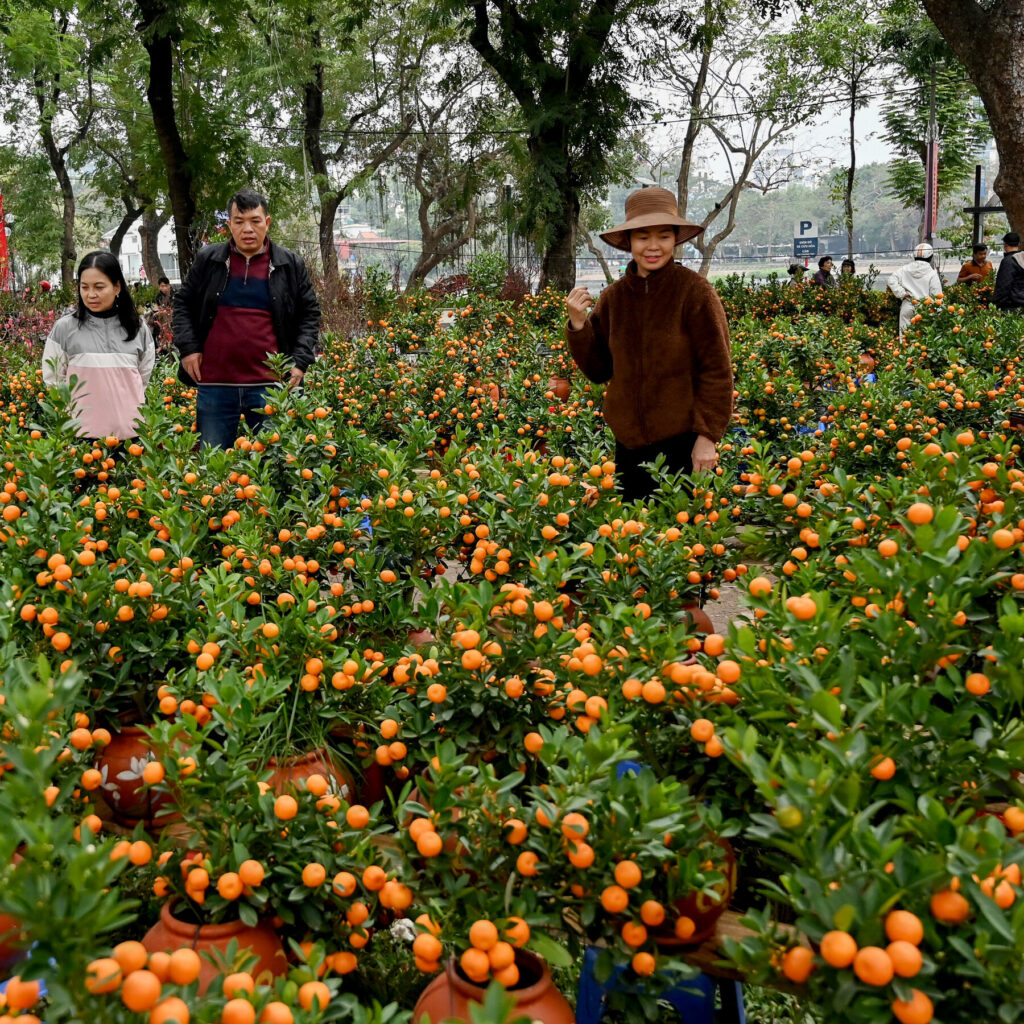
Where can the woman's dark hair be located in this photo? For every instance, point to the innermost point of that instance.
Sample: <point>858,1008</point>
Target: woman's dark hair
<point>850,264</point>
<point>823,261</point>
<point>107,265</point>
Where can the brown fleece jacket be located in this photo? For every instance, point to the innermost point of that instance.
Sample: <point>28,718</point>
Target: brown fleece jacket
<point>662,344</point>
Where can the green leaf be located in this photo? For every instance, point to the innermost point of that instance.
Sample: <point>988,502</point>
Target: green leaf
<point>994,916</point>
<point>546,948</point>
<point>844,917</point>
<point>826,705</point>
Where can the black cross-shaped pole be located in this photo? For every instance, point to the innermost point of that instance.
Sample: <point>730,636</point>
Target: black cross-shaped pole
<point>978,210</point>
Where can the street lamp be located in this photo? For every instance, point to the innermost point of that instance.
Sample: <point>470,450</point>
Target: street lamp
<point>6,264</point>
<point>509,182</point>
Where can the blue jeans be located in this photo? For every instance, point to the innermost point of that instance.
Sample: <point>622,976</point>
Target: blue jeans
<point>218,407</point>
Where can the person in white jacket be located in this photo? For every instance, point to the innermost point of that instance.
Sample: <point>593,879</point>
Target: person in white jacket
<point>914,281</point>
<point>107,347</point>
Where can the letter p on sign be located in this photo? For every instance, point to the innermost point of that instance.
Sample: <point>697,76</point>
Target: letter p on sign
<point>805,238</point>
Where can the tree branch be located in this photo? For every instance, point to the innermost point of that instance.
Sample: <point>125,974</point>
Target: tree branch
<point>509,71</point>
<point>592,247</point>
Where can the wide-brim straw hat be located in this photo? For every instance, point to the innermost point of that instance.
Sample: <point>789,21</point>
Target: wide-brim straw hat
<point>650,208</point>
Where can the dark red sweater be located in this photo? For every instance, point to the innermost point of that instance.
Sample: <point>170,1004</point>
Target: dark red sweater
<point>242,335</point>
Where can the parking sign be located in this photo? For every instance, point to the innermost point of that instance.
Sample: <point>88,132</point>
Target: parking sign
<point>805,238</point>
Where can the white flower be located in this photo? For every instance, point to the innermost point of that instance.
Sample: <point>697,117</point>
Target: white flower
<point>403,930</point>
<point>133,772</point>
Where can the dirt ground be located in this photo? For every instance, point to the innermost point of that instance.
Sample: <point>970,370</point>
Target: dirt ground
<point>729,606</point>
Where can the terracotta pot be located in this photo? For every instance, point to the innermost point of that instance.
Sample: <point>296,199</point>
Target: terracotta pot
<point>121,763</point>
<point>374,786</point>
<point>171,933</point>
<point>701,620</point>
<point>289,774</point>
<point>449,995</point>
<point>486,389</point>
<point>704,910</point>
<point>373,783</point>
<point>421,637</point>
<point>561,387</point>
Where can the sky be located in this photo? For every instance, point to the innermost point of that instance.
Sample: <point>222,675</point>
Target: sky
<point>830,140</point>
<point>822,145</point>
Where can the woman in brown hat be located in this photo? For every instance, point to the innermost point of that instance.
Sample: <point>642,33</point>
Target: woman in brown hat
<point>659,338</point>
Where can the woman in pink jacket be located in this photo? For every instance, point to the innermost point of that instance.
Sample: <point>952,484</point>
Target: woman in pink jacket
<point>108,349</point>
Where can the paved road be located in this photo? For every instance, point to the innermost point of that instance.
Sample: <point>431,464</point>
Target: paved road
<point>949,268</point>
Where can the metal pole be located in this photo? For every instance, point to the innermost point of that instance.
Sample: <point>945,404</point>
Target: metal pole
<point>508,224</point>
<point>979,226</point>
<point>931,201</point>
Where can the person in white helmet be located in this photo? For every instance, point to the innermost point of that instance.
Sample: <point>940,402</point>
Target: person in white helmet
<point>914,281</point>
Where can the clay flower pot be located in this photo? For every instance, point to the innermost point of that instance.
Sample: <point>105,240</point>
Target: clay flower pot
<point>120,764</point>
<point>171,933</point>
<point>704,910</point>
<point>289,774</point>
<point>560,387</point>
<point>701,620</point>
<point>421,637</point>
<point>449,995</point>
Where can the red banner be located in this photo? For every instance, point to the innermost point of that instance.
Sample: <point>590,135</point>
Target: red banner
<point>4,257</point>
<point>931,190</point>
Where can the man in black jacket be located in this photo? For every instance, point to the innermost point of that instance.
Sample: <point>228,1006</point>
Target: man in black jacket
<point>1009,292</point>
<point>243,301</point>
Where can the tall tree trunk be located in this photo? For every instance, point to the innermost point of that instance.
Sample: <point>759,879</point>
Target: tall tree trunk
<point>330,198</point>
<point>989,41</point>
<point>149,236</point>
<point>851,171</point>
<point>55,155</point>
<point>543,101</point>
<point>695,122</point>
<point>47,96</point>
<point>459,229</point>
<point>131,215</point>
<point>156,38</point>
<point>596,252</point>
<point>558,266</point>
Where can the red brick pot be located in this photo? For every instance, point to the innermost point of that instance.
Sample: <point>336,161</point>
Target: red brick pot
<point>171,933</point>
<point>449,995</point>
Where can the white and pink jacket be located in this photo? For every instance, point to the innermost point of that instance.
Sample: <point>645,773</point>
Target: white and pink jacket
<point>112,371</point>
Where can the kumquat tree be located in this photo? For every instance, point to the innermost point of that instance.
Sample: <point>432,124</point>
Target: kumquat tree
<point>395,705</point>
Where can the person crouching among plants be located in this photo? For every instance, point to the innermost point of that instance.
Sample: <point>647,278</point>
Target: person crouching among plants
<point>107,347</point>
<point>658,336</point>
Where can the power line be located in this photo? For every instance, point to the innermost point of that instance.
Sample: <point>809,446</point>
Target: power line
<point>396,247</point>
<point>522,132</point>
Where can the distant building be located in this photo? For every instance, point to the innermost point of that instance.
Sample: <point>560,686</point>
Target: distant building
<point>783,166</point>
<point>355,237</point>
<point>131,253</point>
